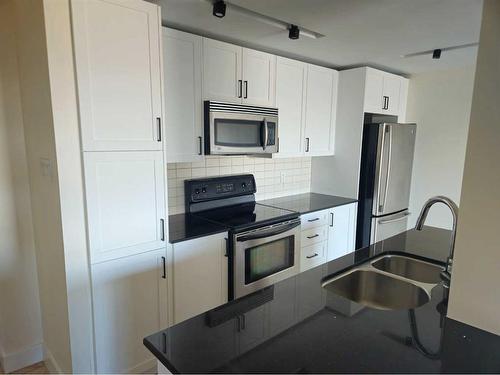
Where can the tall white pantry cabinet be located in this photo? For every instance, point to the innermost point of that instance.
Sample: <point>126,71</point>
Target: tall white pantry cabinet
<point>117,45</point>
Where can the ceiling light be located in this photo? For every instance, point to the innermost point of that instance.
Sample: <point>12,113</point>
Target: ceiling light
<point>436,54</point>
<point>294,32</point>
<point>219,9</point>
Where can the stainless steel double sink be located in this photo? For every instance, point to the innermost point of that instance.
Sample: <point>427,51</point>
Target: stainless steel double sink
<point>389,282</point>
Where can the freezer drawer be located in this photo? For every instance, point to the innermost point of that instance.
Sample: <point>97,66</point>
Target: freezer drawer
<point>388,226</point>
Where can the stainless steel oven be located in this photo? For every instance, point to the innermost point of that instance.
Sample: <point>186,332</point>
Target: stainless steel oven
<point>235,129</point>
<point>265,256</point>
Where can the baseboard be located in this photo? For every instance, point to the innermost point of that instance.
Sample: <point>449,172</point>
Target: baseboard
<point>50,362</point>
<point>23,358</point>
<point>143,367</point>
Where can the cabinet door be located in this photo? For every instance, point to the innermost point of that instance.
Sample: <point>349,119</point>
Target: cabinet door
<point>253,328</point>
<point>127,295</point>
<point>290,100</point>
<point>392,87</point>
<point>222,71</point>
<point>374,87</point>
<point>183,106</point>
<point>341,233</point>
<point>125,203</point>
<point>320,103</point>
<point>199,275</point>
<point>259,72</point>
<point>117,55</point>
<point>282,309</point>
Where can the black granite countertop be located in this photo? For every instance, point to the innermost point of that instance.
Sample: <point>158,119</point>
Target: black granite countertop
<point>182,227</point>
<point>308,202</point>
<point>297,326</point>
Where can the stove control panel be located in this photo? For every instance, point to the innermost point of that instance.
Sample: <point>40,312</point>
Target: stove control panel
<point>206,189</point>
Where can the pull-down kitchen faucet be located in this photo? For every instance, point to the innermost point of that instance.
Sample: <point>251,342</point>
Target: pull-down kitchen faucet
<point>446,274</point>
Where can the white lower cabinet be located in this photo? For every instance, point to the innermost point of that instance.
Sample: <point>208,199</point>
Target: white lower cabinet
<point>199,269</point>
<point>341,230</point>
<point>129,300</point>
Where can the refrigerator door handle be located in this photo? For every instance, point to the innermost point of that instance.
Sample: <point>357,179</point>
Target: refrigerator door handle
<point>388,221</point>
<point>388,174</point>
<point>380,202</point>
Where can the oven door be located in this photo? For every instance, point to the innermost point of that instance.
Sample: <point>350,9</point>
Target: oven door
<point>242,133</point>
<point>265,256</point>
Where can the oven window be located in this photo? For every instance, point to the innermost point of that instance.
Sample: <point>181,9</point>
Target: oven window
<point>237,133</point>
<point>269,258</point>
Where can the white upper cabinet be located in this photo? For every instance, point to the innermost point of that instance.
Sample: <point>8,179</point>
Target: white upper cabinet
<point>125,203</point>
<point>321,99</point>
<point>258,78</point>
<point>238,75</point>
<point>382,92</point>
<point>221,71</point>
<point>182,60</point>
<point>290,99</point>
<point>117,54</point>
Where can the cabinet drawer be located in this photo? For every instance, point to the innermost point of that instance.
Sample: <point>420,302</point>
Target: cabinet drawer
<point>313,235</point>
<point>312,256</point>
<point>314,219</point>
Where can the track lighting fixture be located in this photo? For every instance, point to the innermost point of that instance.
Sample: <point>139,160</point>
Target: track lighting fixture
<point>219,9</point>
<point>436,54</point>
<point>293,32</point>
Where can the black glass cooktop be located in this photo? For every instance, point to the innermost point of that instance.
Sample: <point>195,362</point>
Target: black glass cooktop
<point>245,216</point>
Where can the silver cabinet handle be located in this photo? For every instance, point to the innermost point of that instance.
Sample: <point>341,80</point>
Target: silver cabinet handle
<point>307,144</point>
<point>158,124</point>
<point>164,268</point>
<point>314,236</point>
<point>311,256</point>
<point>311,220</point>
<point>331,221</point>
<point>246,90</point>
<point>200,142</point>
<point>240,89</point>
<point>162,229</point>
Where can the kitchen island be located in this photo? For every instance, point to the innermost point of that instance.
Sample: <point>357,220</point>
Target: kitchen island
<point>297,325</point>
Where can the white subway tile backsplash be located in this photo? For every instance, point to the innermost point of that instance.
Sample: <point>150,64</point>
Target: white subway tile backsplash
<point>273,177</point>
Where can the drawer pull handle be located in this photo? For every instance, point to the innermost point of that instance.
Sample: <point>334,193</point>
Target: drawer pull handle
<point>312,256</point>
<point>316,235</point>
<point>311,220</point>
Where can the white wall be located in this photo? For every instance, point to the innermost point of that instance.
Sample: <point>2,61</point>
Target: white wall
<point>439,102</point>
<point>20,321</point>
<point>474,294</point>
<point>273,177</point>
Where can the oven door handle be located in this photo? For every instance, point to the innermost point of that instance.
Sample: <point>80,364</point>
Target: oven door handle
<point>267,233</point>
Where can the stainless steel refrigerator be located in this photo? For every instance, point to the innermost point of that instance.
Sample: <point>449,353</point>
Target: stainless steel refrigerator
<point>385,179</point>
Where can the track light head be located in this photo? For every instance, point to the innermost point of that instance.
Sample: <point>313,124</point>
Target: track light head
<point>219,9</point>
<point>436,54</point>
<point>294,32</point>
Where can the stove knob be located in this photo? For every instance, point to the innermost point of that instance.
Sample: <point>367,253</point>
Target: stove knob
<point>243,185</point>
<point>197,191</point>
<point>203,189</point>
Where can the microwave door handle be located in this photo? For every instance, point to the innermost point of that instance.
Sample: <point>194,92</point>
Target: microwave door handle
<point>265,138</point>
<point>267,233</point>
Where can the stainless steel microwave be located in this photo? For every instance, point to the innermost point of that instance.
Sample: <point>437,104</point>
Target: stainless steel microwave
<point>236,129</point>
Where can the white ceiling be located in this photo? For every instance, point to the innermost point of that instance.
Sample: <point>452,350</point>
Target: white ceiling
<point>357,32</point>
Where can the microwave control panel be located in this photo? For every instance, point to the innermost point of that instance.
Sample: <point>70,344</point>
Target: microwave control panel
<point>206,189</point>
